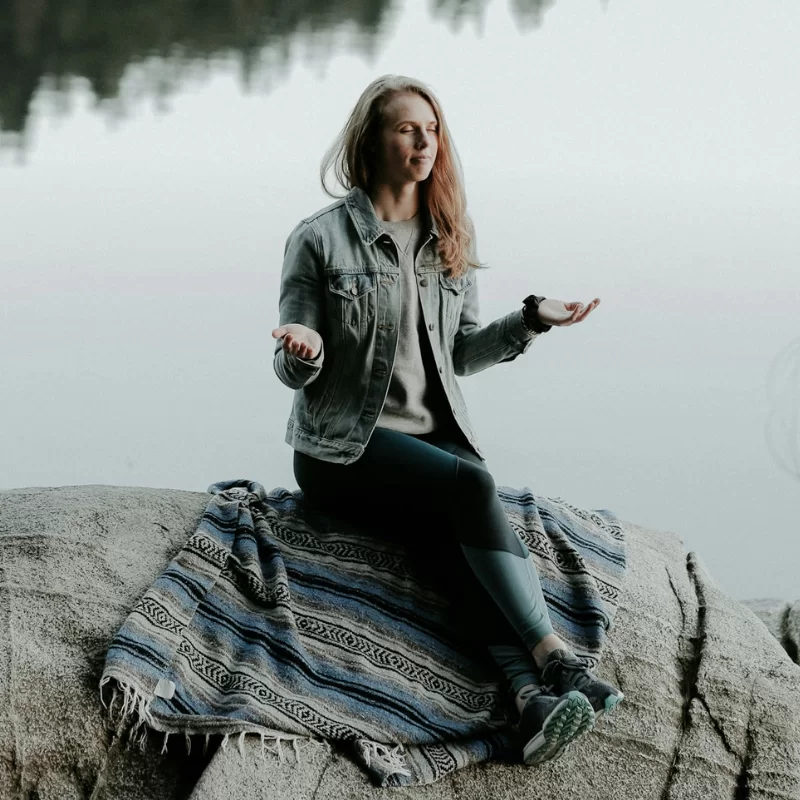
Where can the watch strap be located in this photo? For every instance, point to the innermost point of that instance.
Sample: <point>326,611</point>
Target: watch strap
<point>530,314</point>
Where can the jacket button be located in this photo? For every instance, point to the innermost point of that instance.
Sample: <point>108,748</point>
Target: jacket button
<point>423,282</point>
<point>430,327</point>
<point>354,290</point>
<point>441,369</point>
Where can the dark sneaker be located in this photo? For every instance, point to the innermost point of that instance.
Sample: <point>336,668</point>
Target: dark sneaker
<point>565,672</point>
<point>548,724</point>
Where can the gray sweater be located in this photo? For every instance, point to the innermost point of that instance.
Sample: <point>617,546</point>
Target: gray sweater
<point>416,402</point>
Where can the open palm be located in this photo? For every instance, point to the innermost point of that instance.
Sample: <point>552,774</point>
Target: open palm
<point>555,312</point>
<point>299,340</point>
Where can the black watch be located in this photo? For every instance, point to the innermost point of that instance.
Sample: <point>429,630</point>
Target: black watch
<point>530,314</point>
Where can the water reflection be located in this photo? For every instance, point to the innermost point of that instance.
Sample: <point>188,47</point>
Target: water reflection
<point>46,43</point>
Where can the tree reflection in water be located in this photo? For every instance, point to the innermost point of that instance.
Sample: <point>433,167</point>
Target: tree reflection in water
<point>46,43</point>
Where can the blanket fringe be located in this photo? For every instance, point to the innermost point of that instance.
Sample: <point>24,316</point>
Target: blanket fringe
<point>134,708</point>
<point>391,760</point>
<point>272,742</point>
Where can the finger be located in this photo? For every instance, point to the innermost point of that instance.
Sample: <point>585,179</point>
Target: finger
<point>594,304</point>
<point>278,332</point>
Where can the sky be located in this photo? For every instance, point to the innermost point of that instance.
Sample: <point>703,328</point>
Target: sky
<point>643,153</point>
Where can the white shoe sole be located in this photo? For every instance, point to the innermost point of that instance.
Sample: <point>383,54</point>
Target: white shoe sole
<point>570,719</point>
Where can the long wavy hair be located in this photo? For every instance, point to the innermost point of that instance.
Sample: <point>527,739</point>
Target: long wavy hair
<point>353,158</point>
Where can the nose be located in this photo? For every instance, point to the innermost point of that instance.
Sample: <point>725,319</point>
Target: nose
<point>423,144</point>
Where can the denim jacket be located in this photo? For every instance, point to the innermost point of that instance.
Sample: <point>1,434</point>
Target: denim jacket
<point>341,277</point>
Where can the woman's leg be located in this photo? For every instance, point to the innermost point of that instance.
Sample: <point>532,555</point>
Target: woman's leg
<point>557,665</point>
<point>504,644</point>
<point>492,547</point>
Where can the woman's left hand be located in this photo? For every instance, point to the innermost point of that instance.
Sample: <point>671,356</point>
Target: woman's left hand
<point>554,312</point>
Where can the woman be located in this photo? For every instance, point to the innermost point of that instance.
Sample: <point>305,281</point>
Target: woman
<point>378,314</point>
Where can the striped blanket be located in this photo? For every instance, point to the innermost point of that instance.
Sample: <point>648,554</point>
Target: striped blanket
<point>277,621</point>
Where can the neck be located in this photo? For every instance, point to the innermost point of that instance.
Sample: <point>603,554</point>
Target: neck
<point>396,203</point>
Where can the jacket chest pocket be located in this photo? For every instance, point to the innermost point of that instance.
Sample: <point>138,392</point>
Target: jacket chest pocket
<point>452,294</point>
<point>351,296</point>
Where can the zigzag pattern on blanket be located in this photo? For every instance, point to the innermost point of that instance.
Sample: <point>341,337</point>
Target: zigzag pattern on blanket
<point>266,623</point>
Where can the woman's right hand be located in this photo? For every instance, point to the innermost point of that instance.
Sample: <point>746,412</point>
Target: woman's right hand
<point>299,340</point>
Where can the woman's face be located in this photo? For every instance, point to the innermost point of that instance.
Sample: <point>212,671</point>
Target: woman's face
<point>409,140</point>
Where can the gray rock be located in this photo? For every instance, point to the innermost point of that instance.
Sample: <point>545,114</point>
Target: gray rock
<point>782,620</point>
<point>791,632</point>
<point>712,706</point>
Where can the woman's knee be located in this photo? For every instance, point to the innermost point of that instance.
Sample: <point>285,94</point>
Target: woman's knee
<point>315,480</point>
<point>475,482</point>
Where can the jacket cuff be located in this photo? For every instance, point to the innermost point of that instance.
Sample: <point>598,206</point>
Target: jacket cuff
<point>517,331</point>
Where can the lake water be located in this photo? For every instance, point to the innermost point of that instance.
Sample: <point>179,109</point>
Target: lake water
<point>153,164</point>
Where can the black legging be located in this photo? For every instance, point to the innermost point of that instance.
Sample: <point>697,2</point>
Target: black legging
<point>412,481</point>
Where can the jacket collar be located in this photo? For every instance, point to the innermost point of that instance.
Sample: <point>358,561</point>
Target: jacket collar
<point>366,220</point>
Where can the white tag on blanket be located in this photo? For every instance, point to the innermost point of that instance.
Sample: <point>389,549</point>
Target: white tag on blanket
<point>165,689</point>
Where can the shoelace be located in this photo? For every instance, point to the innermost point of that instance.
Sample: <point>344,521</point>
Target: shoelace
<point>582,674</point>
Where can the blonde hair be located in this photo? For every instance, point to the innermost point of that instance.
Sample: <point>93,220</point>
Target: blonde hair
<point>353,159</point>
